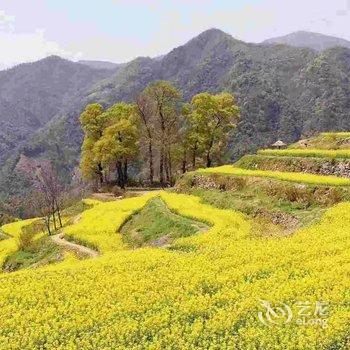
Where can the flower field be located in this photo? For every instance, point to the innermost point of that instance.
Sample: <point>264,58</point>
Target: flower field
<point>306,178</point>
<point>203,293</point>
<point>317,153</point>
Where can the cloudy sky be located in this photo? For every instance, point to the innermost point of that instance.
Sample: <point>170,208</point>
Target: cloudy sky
<point>120,30</point>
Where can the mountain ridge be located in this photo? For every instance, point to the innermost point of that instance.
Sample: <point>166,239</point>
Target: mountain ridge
<point>312,40</point>
<point>283,91</point>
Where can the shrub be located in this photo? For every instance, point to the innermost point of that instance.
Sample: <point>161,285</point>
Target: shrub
<point>28,232</point>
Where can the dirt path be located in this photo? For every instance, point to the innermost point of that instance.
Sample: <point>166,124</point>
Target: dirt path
<point>139,191</point>
<point>105,196</point>
<point>133,191</point>
<point>59,240</point>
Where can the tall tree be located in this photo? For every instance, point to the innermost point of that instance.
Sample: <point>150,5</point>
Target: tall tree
<point>93,122</point>
<point>165,99</point>
<point>119,142</point>
<point>210,118</point>
<point>146,109</point>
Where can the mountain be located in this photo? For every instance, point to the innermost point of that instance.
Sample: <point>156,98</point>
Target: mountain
<point>32,94</point>
<point>100,64</point>
<point>284,92</point>
<point>315,41</point>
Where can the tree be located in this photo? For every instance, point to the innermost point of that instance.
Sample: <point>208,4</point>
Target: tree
<point>210,119</point>
<point>162,100</point>
<point>39,203</point>
<point>194,131</point>
<point>146,109</point>
<point>93,122</point>
<point>46,188</point>
<point>119,142</point>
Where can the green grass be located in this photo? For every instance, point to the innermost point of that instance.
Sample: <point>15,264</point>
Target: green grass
<point>38,253</point>
<point>3,236</point>
<point>156,225</point>
<point>326,141</point>
<point>307,152</point>
<point>336,134</point>
<point>256,203</point>
<point>309,179</point>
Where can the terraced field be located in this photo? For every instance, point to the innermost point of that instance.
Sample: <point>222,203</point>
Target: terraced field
<point>225,287</point>
<point>315,153</point>
<point>203,293</point>
<point>279,175</point>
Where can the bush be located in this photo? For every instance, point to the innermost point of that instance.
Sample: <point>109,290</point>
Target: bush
<point>25,238</point>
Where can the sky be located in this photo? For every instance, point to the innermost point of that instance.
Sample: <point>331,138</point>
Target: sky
<point>120,30</point>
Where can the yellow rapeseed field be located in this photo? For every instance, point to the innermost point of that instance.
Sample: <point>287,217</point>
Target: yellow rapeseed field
<point>306,178</point>
<point>309,152</point>
<point>205,292</point>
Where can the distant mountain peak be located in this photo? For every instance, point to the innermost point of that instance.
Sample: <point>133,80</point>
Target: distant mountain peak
<point>213,31</point>
<point>100,64</point>
<point>213,34</point>
<point>53,58</point>
<point>315,41</point>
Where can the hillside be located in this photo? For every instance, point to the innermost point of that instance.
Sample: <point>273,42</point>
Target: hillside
<point>228,259</point>
<point>32,94</point>
<point>315,41</point>
<point>283,91</point>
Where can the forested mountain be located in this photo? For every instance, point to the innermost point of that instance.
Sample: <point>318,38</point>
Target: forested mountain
<point>283,91</point>
<point>315,41</point>
<point>32,94</point>
<point>100,64</point>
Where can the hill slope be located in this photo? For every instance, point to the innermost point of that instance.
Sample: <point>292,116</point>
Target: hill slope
<point>204,292</point>
<point>32,94</point>
<point>315,41</point>
<point>284,92</point>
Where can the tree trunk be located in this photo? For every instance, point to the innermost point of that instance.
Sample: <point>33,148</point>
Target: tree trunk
<point>100,175</point>
<point>170,169</point>
<point>194,155</point>
<point>184,162</point>
<point>120,175</point>
<point>54,221</point>
<point>209,160</point>
<point>59,214</point>
<point>161,167</point>
<point>162,146</point>
<point>47,222</point>
<point>150,159</point>
<point>125,172</point>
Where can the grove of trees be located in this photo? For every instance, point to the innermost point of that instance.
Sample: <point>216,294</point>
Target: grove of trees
<point>157,137</point>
